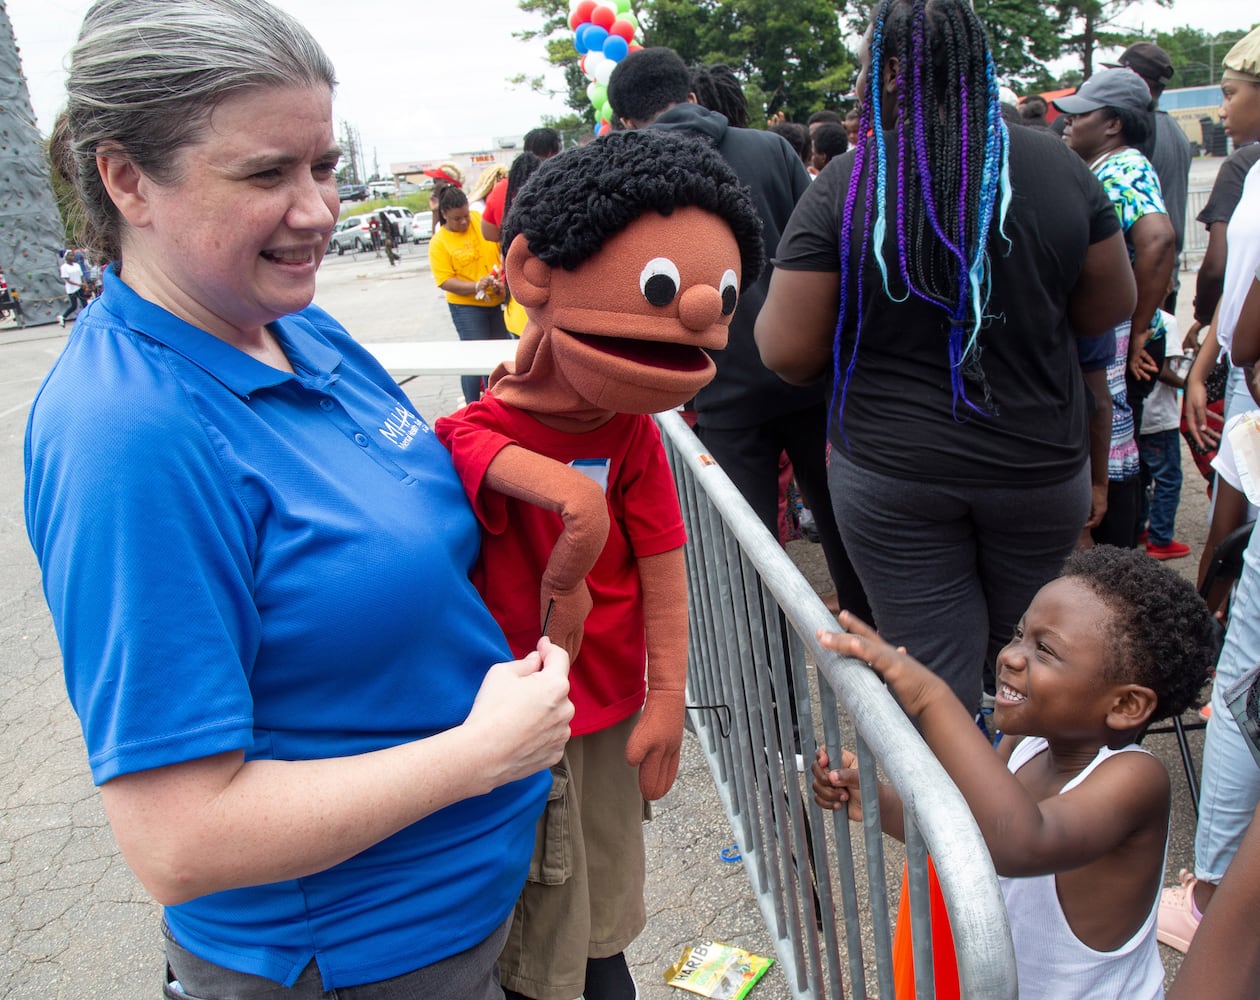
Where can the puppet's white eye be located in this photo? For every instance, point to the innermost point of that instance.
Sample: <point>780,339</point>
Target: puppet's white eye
<point>730,291</point>
<point>658,281</point>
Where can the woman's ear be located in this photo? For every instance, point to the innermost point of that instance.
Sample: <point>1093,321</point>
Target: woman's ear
<point>892,66</point>
<point>1131,708</point>
<point>528,277</point>
<point>126,185</point>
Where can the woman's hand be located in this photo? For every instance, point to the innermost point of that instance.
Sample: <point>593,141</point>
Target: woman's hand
<point>522,713</point>
<point>1205,436</point>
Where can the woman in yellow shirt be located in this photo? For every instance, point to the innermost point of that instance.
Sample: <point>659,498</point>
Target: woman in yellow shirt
<point>466,267</point>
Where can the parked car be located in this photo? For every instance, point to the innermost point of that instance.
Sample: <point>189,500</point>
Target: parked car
<point>352,233</point>
<point>353,192</point>
<point>421,227</point>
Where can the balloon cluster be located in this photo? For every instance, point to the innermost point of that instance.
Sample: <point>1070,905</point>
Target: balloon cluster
<point>604,33</point>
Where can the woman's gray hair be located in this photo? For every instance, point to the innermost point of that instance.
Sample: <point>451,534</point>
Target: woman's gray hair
<point>145,76</point>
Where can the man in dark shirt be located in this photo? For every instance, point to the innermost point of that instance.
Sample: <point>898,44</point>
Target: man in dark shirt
<point>1167,147</point>
<point>747,416</point>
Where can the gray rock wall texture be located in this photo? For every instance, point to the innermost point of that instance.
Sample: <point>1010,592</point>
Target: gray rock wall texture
<point>30,225</point>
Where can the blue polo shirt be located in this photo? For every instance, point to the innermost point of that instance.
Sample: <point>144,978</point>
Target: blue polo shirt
<point>239,558</point>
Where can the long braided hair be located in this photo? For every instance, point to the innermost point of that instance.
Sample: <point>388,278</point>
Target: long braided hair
<point>952,180</point>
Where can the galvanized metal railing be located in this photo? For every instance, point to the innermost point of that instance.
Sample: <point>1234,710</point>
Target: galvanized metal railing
<point>755,703</point>
<point>1195,243</point>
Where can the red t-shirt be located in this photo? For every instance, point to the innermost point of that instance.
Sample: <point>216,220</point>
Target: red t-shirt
<point>607,679</point>
<point>493,212</point>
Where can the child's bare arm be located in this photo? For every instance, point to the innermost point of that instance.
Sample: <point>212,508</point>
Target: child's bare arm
<point>840,788</point>
<point>1025,836</point>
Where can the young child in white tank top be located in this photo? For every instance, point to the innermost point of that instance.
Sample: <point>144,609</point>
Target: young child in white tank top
<point>1074,813</point>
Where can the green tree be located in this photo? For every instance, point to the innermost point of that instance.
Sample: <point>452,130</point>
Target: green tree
<point>560,52</point>
<point>1095,24</point>
<point>1196,55</point>
<point>1023,35</point>
<point>791,51</point>
<point>789,54</point>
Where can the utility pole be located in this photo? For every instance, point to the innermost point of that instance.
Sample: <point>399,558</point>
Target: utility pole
<point>30,225</point>
<point>351,148</point>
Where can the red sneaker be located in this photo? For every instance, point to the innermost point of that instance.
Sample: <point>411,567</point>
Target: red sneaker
<point>1173,550</point>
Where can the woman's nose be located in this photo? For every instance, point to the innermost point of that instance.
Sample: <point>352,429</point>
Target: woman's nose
<point>310,208</point>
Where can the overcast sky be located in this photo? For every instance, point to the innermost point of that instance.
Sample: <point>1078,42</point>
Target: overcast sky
<point>423,79</point>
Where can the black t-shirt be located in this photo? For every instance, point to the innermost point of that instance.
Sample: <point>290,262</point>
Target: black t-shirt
<point>1228,187</point>
<point>899,417</point>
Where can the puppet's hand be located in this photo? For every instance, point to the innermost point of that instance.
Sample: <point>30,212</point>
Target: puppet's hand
<point>567,616</point>
<point>654,745</point>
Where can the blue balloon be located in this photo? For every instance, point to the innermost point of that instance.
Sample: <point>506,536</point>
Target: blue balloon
<point>579,38</point>
<point>595,37</point>
<point>616,48</point>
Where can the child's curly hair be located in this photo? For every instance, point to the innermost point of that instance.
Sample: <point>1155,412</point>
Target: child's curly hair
<point>576,201</point>
<point>1164,636</point>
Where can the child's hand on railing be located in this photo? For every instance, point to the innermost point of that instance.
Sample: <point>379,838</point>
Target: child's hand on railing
<point>838,789</point>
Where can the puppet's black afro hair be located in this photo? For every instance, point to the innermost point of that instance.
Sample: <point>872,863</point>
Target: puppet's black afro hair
<point>576,201</point>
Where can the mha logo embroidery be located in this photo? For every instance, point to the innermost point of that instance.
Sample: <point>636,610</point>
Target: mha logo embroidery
<point>401,426</point>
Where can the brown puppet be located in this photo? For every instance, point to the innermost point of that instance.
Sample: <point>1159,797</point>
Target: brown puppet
<point>628,255</point>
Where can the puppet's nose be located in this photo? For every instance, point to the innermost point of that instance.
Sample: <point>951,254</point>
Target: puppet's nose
<point>700,307</point>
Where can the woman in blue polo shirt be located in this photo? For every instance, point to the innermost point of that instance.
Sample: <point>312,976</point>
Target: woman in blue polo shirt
<point>310,741</point>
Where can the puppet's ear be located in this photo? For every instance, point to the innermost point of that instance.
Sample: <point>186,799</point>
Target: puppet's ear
<point>528,277</point>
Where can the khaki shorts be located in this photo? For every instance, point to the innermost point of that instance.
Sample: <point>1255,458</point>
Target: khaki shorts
<point>584,895</point>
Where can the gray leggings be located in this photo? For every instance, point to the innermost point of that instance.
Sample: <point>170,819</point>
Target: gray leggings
<point>950,569</point>
<point>470,975</point>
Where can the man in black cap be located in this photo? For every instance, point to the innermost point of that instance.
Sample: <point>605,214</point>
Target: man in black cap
<point>1167,147</point>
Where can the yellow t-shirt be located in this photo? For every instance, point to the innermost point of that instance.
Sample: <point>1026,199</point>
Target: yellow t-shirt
<point>468,256</point>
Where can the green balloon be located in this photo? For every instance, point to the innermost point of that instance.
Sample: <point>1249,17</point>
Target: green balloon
<point>623,6</point>
<point>627,16</point>
<point>598,94</point>
<point>605,111</point>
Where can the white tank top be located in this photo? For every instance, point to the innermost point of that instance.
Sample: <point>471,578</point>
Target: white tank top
<point>1053,963</point>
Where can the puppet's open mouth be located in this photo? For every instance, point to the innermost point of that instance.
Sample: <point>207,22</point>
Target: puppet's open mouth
<point>648,353</point>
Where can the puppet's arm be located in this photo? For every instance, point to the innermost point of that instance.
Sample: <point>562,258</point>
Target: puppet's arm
<point>580,502</point>
<point>654,745</point>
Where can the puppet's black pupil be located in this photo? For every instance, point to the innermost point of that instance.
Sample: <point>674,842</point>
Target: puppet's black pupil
<point>729,296</point>
<point>660,289</point>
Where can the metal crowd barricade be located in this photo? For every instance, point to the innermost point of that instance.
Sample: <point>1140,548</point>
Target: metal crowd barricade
<point>1196,237</point>
<point>753,623</point>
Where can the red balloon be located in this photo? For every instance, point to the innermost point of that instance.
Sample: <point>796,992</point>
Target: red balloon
<point>635,48</point>
<point>603,16</point>
<point>623,29</point>
<point>581,13</point>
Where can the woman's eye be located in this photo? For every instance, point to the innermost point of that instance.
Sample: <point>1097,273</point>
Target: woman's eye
<point>658,281</point>
<point>729,288</point>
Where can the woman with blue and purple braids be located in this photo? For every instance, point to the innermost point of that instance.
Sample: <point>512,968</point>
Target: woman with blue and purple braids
<point>939,276</point>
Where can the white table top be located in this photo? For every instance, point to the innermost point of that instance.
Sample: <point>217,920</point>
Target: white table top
<point>442,357</point>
